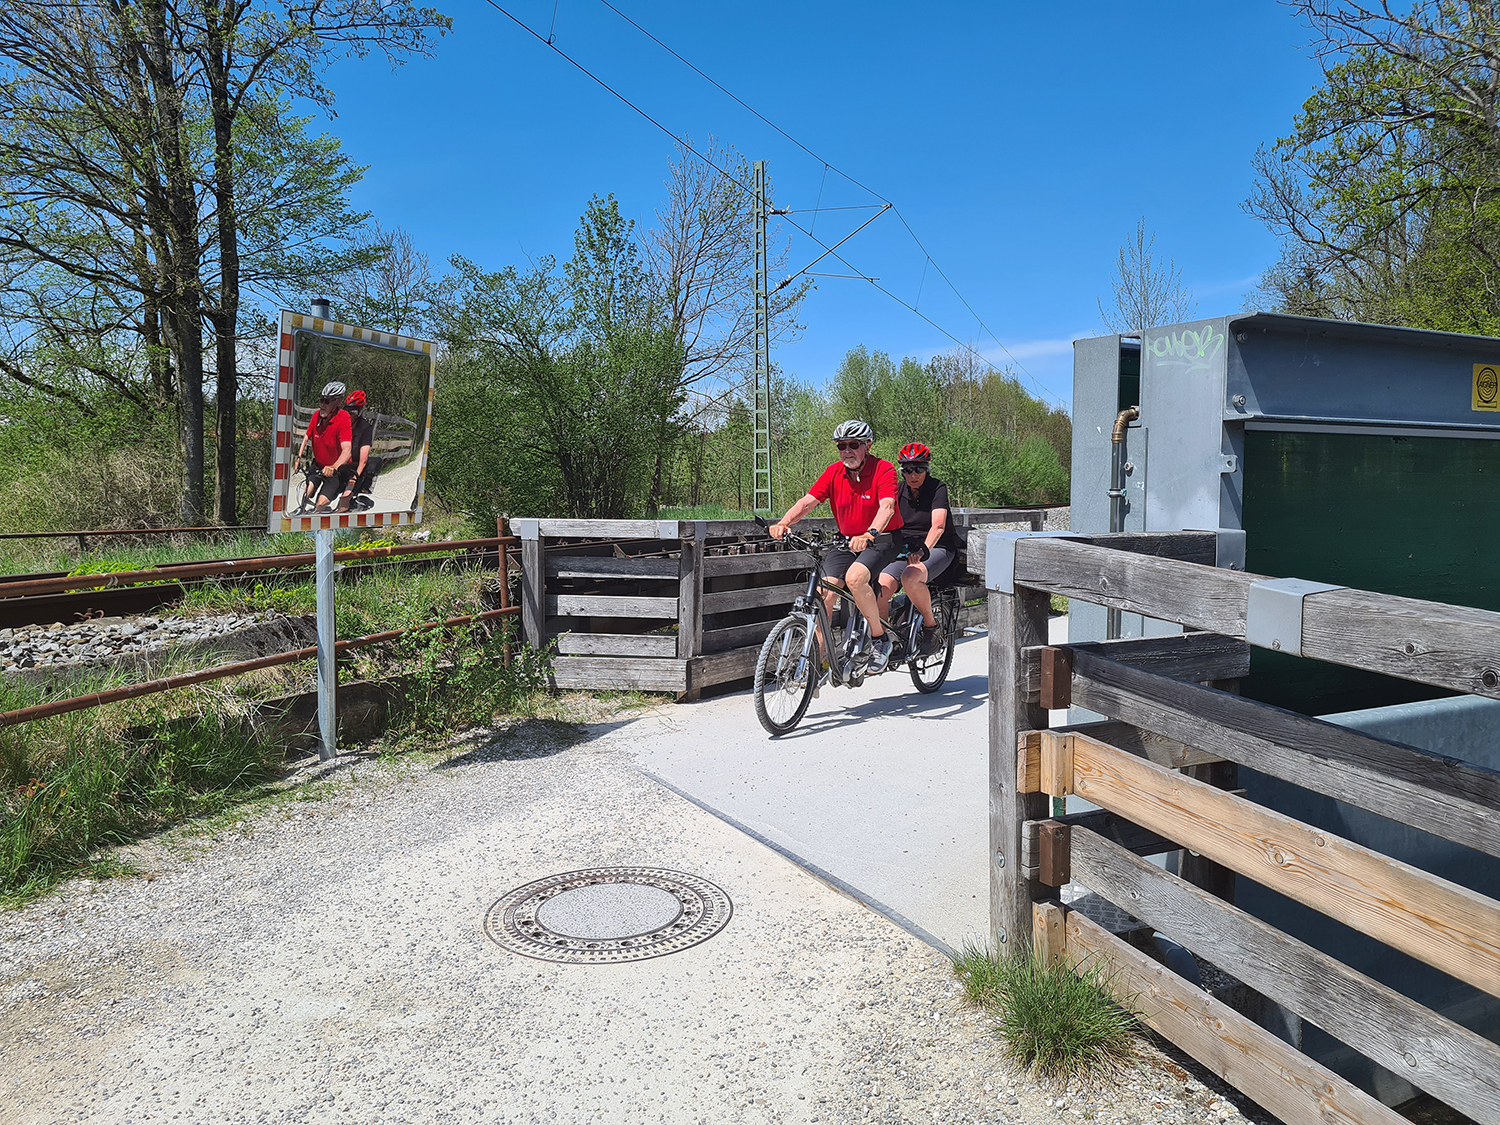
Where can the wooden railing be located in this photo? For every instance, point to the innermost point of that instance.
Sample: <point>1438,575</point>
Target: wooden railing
<point>1161,766</point>
<point>669,605</point>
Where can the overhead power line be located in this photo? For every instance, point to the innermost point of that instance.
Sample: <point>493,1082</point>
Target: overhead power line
<point>827,165</point>
<point>748,190</point>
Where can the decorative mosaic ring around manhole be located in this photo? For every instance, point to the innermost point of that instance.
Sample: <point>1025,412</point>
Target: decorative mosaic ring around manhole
<point>608,914</point>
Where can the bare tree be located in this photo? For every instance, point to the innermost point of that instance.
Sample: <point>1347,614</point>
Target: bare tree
<point>394,289</point>
<point>703,256</point>
<point>1147,290</point>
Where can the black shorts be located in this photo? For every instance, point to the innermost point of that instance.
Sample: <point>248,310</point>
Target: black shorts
<point>360,483</point>
<point>330,488</point>
<point>875,557</point>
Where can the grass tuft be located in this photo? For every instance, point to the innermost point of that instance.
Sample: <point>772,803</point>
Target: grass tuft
<point>1058,1022</point>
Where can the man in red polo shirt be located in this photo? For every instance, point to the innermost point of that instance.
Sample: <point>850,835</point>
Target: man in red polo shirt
<point>330,434</point>
<point>862,492</point>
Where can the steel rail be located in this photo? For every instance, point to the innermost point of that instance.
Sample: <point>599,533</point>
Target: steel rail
<point>132,531</point>
<point>187,679</point>
<point>229,566</point>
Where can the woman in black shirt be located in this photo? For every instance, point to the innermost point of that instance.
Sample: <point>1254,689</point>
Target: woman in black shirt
<point>931,542</point>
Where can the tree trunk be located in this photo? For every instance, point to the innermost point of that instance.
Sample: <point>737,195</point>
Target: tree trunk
<point>226,319</point>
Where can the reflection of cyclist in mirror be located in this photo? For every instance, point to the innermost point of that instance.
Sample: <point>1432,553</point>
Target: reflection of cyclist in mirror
<point>930,542</point>
<point>359,473</point>
<point>862,492</point>
<point>330,435</point>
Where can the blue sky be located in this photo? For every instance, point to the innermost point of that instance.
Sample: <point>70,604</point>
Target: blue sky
<point>1021,141</point>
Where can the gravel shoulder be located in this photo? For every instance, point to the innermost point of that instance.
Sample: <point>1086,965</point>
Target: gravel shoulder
<point>323,960</point>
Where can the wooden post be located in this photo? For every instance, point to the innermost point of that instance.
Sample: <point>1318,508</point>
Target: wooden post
<point>502,532</point>
<point>1212,877</point>
<point>1016,621</point>
<point>534,591</point>
<point>690,602</point>
<point>1049,933</point>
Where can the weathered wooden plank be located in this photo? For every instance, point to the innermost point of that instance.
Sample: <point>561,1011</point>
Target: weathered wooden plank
<point>1055,682</point>
<point>1432,1053</point>
<point>1049,935</point>
<point>609,529</point>
<point>749,529</point>
<point>1455,800</point>
<point>761,562</point>
<point>1189,593</point>
<point>1445,645</point>
<point>533,591</point>
<point>619,673</point>
<point>1185,656</point>
<point>1054,860</point>
<point>1120,832</point>
<point>1278,1076</point>
<point>1056,775</point>
<point>690,599</point>
<point>737,636</point>
<point>1187,546</point>
<point>615,644</point>
<point>1447,926</point>
<point>727,600</point>
<point>585,566</point>
<point>603,605</point>
<point>721,667</point>
<point>1016,621</point>
<point>1142,743</point>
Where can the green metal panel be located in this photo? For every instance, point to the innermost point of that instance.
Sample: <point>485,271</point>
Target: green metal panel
<point>1414,516</point>
<point>1130,378</point>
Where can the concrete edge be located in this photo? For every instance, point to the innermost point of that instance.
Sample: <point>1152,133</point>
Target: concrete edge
<point>813,869</point>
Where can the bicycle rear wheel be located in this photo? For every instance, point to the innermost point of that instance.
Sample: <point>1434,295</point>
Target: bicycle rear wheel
<point>929,672</point>
<point>784,681</point>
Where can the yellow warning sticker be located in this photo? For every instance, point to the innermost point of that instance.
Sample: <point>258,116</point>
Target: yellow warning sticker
<point>1486,386</point>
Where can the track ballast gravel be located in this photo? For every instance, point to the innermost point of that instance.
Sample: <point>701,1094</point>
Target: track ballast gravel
<point>323,961</point>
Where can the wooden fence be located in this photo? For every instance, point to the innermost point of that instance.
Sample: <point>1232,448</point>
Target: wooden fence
<point>1161,767</point>
<point>669,605</point>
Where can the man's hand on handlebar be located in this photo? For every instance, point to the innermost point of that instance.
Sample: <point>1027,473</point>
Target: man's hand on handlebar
<point>858,543</point>
<point>776,530</point>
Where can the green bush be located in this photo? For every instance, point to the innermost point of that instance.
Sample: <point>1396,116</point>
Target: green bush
<point>1056,1021</point>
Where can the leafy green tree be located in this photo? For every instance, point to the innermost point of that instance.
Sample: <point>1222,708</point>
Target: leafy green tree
<point>571,376</point>
<point>1385,192</point>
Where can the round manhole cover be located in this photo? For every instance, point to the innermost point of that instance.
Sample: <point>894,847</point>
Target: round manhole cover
<point>608,914</point>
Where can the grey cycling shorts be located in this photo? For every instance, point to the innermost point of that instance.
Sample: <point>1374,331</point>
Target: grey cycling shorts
<point>937,562</point>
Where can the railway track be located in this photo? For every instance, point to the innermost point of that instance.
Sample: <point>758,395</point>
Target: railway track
<point>73,606</point>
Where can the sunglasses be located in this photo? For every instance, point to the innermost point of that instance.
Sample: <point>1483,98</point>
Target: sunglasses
<point>845,446</point>
<point>913,470</point>
<point>329,398</point>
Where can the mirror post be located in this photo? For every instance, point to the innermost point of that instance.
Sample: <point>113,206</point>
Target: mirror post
<point>327,666</point>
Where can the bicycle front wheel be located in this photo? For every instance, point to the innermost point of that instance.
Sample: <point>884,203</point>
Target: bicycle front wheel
<point>784,681</point>
<point>928,673</point>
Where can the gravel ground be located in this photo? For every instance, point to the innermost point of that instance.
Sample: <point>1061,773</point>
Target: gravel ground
<point>323,960</point>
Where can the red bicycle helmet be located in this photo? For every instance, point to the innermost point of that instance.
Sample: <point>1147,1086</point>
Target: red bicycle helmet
<point>357,398</point>
<point>914,451</point>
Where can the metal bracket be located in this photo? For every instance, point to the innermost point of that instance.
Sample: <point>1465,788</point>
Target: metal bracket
<point>1273,615</point>
<point>1229,548</point>
<point>1000,556</point>
<point>667,529</point>
<point>1230,463</point>
<point>526,529</point>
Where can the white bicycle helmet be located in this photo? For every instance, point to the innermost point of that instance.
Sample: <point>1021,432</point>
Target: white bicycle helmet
<point>334,389</point>
<point>853,430</point>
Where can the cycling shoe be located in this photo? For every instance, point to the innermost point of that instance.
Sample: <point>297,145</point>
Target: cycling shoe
<point>932,640</point>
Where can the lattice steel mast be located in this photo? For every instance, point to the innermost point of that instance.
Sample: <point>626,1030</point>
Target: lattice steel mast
<point>761,469</point>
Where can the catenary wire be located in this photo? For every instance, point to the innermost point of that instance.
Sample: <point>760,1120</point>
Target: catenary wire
<point>751,191</point>
<point>828,166</point>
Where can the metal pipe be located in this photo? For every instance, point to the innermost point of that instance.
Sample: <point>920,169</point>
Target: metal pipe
<point>188,679</point>
<point>328,674</point>
<point>171,572</point>
<point>1117,495</point>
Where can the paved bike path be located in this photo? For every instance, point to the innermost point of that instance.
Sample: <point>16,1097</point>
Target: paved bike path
<point>881,789</point>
